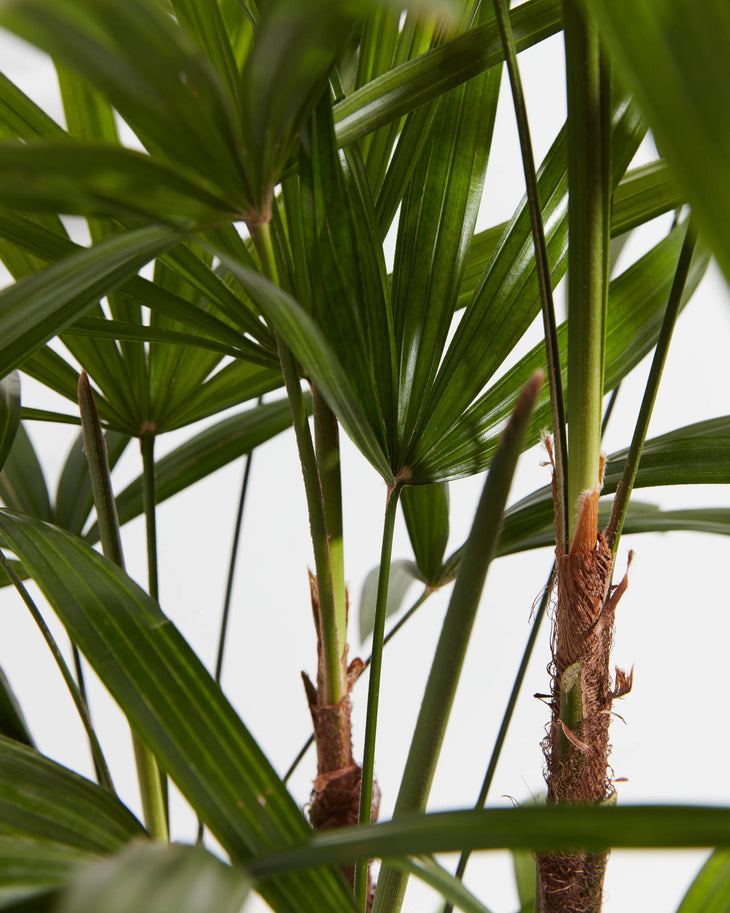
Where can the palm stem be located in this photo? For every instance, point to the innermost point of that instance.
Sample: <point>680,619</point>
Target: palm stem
<point>589,121</point>
<point>327,449</point>
<point>334,680</point>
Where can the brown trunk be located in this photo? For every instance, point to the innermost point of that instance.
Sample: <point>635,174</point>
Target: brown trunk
<point>335,800</point>
<point>576,747</point>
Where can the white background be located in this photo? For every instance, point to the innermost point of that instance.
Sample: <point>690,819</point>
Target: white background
<point>673,624</point>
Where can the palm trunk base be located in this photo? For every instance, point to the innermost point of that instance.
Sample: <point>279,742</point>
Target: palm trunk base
<point>577,745</point>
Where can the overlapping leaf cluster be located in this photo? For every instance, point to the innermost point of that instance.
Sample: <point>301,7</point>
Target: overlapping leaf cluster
<point>186,125</point>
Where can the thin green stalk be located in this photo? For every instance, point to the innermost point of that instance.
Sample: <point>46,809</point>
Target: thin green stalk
<point>148,774</point>
<point>542,266</point>
<point>376,665</point>
<point>147,447</point>
<point>589,213</point>
<point>507,718</point>
<point>232,568</point>
<point>327,450</point>
<point>626,485</point>
<point>81,683</point>
<point>393,631</point>
<point>334,679</point>
<point>100,765</point>
<point>445,672</point>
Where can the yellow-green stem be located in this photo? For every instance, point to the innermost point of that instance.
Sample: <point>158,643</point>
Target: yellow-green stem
<point>588,87</point>
<point>334,678</point>
<point>327,450</point>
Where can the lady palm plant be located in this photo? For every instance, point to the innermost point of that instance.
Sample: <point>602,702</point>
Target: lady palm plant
<point>274,145</point>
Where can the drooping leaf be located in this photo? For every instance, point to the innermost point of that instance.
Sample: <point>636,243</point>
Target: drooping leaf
<point>156,878</point>
<point>42,800</point>
<point>12,722</point>
<point>173,703</point>
<point>40,306</point>
<point>151,72</point>
<point>317,358</point>
<point>101,180</point>
<point>9,413</point>
<point>402,574</point>
<point>22,483</point>
<point>426,509</point>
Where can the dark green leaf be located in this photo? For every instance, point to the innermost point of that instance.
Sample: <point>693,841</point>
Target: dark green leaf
<point>418,81</point>
<point>9,413</point>
<point>151,72</point>
<point>402,574</point>
<point>40,306</point>
<point>20,117</point>
<point>426,509</point>
<point>22,483</point>
<point>350,303</point>
<point>637,300</point>
<point>43,800</point>
<point>12,721</point>
<point>173,704</point>
<point>74,498</point>
<point>102,180</point>
<point>316,357</point>
<point>564,827</point>
<point>157,878</point>
<point>436,224</point>
<point>32,868</point>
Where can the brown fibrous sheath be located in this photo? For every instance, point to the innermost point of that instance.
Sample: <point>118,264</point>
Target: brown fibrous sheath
<point>576,746</point>
<point>335,800</point>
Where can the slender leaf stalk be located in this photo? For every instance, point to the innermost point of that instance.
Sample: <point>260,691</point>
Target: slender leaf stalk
<point>148,773</point>
<point>542,265</point>
<point>446,668</point>
<point>147,446</point>
<point>376,665</point>
<point>334,680</point>
<point>232,568</point>
<point>507,718</point>
<point>589,214</point>
<point>100,765</point>
<point>625,486</point>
